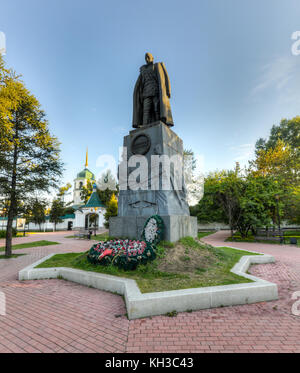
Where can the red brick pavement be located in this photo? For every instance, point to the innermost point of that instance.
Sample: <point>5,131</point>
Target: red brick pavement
<point>60,316</point>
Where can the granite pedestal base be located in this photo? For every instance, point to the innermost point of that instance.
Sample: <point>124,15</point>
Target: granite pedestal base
<point>176,226</point>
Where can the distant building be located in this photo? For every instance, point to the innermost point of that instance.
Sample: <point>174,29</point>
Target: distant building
<point>81,180</point>
<point>92,214</point>
<point>89,215</point>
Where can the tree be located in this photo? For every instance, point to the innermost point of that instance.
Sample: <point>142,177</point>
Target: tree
<point>244,201</point>
<point>194,181</point>
<point>35,211</point>
<point>29,154</point>
<point>279,156</point>
<point>56,212</point>
<point>258,205</point>
<point>4,206</point>
<point>292,206</point>
<point>227,194</point>
<point>86,191</point>
<point>63,191</point>
<point>208,209</point>
<point>288,131</point>
<point>112,210</point>
<point>106,187</point>
<point>279,162</point>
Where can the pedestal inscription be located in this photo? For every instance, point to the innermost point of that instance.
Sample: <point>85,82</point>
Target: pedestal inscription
<point>154,143</point>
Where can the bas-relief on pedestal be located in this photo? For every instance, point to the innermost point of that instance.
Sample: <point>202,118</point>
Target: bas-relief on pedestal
<point>136,206</point>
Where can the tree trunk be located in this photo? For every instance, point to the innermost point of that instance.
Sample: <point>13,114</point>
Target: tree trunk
<point>13,202</point>
<point>8,242</point>
<point>10,217</point>
<point>230,221</point>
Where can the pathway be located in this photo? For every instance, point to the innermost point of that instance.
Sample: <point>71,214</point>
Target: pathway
<point>61,316</point>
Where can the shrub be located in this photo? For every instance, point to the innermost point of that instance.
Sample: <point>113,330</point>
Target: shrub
<point>3,233</point>
<point>112,210</point>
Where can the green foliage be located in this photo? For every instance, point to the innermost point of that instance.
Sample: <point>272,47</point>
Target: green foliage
<point>29,154</point>
<point>32,244</point>
<point>288,130</point>
<point>185,258</point>
<point>237,237</point>
<point>190,243</point>
<point>258,203</point>
<point>244,201</point>
<point>167,244</point>
<point>56,212</point>
<point>171,314</point>
<point>160,252</point>
<point>3,233</point>
<point>11,256</point>
<point>204,234</point>
<point>112,210</point>
<point>189,159</point>
<point>208,210</point>
<point>247,200</point>
<point>86,191</point>
<point>104,195</point>
<point>279,156</point>
<point>64,191</point>
<point>34,211</point>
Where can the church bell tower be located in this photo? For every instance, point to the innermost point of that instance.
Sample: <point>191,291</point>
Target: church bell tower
<point>81,181</point>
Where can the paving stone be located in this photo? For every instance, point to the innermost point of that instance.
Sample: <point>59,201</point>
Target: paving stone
<point>60,316</point>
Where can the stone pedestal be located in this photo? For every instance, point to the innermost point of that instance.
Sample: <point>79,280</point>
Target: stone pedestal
<point>162,190</point>
<point>176,226</point>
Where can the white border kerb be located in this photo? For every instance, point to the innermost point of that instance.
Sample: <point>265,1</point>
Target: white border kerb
<point>151,304</point>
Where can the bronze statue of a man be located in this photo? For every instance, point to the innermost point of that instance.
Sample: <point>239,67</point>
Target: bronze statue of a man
<point>151,95</point>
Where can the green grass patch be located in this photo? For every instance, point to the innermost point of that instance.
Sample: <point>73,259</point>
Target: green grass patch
<point>98,237</point>
<point>250,238</point>
<point>31,244</point>
<point>167,244</point>
<point>11,256</point>
<point>204,234</point>
<point>101,237</point>
<point>172,269</point>
<point>291,233</point>
<point>106,237</point>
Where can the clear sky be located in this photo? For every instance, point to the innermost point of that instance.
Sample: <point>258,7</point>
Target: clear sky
<point>230,64</point>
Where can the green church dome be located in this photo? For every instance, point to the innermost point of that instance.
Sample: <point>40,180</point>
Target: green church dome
<point>86,174</point>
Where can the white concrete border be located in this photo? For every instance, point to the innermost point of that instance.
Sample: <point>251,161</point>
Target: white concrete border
<point>158,303</point>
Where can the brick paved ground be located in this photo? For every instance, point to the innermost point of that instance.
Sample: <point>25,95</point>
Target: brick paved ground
<point>60,316</point>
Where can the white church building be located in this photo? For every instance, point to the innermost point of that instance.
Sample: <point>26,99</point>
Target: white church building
<point>89,215</point>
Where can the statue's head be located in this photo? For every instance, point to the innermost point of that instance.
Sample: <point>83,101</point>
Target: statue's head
<point>148,57</point>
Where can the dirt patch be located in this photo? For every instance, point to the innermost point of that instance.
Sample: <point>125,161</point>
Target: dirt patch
<point>186,260</point>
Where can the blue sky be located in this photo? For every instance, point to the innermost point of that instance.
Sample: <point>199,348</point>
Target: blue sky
<point>230,63</point>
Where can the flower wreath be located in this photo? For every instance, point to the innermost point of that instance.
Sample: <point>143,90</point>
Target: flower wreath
<point>127,254</point>
<point>153,230</point>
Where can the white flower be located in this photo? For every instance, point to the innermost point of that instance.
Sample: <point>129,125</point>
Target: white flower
<point>151,230</point>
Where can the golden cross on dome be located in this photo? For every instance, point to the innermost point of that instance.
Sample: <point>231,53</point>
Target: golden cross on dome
<point>87,158</point>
